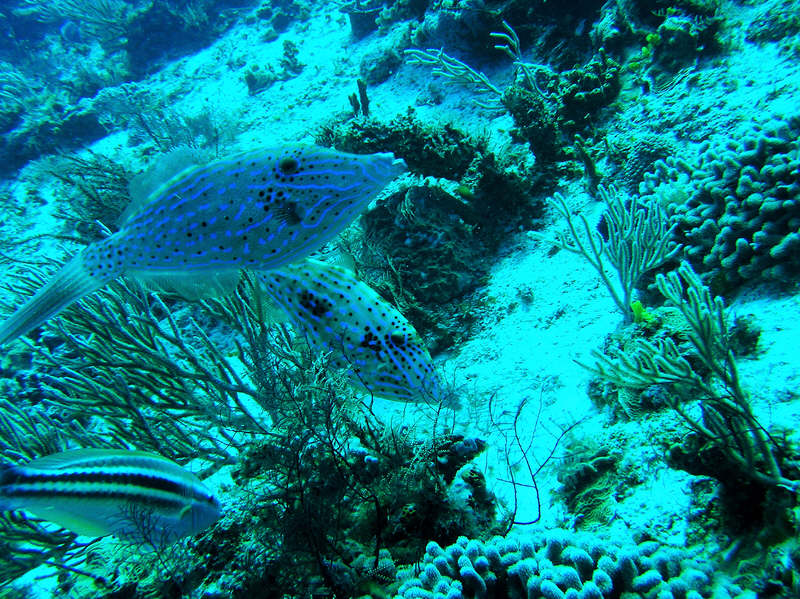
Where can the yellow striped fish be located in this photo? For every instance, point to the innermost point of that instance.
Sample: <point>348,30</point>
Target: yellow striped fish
<point>136,496</point>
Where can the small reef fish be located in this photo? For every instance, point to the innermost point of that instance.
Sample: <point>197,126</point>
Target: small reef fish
<point>259,210</point>
<point>366,336</point>
<point>136,496</point>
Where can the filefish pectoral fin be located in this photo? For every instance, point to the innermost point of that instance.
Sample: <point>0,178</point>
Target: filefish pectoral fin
<point>288,214</point>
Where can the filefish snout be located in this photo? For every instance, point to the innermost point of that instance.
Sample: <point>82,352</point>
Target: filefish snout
<point>385,167</point>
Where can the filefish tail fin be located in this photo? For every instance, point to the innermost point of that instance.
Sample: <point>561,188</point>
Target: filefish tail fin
<point>74,281</point>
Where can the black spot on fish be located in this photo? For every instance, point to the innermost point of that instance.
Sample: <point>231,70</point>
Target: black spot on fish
<point>288,166</point>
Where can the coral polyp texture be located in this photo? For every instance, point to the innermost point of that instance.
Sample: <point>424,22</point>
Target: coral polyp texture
<point>737,209</point>
<point>559,564</point>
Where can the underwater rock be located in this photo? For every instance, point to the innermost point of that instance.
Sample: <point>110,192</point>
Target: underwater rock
<point>363,16</point>
<point>282,13</point>
<point>64,127</point>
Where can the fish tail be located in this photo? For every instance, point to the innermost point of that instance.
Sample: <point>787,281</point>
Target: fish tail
<point>76,279</point>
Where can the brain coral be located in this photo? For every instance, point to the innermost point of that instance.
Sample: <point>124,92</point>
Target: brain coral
<point>738,207</point>
<point>562,565</point>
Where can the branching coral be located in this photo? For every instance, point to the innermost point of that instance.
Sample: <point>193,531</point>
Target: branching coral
<point>561,564</point>
<point>454,69</point>
<point>120,359</point>
<point>639,240</point>
<point>103,187</point>
<point>727,420</point>
<point>25,544</point>
<point>340,495</point>
<point>737,209</point>
<point>103,19</point>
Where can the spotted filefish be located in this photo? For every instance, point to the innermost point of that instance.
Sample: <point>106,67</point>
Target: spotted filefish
<point>259,209</point>
<point>136,496</point>
<point>366,336</point>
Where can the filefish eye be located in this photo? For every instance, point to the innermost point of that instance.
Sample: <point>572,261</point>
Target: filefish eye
<point>288,166</point>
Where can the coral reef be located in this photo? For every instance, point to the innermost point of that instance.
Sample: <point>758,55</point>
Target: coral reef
<point>327,492</point>
<point>588,477</point>
<point>774,22</point>
<point>671,35</point>
<point>279,15</point>
<point>737,209</point>
<point>548,107</point>
<point>49,127</point>
<point>427,244</point>
<point>635,156</point>
<point>112,42</point>
<point>756,466</point>
<point>564,565</point>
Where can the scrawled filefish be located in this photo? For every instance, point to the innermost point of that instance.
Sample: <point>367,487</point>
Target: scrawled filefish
<point>136,496</point>
<point>366,336</point>
<point>260,209</point>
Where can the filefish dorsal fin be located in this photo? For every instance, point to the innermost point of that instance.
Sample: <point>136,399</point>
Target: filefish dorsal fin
<point>145,186</point>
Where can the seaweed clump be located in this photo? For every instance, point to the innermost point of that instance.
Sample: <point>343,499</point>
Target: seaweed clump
<point>334,500</point>
<point>549,108</point>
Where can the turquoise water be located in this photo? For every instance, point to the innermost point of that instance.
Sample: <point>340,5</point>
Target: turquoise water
<point>420,299</point>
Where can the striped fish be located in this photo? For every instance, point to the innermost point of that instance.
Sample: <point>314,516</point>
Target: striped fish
<point>136,496</point>
<point>365,335</point>
<point>260,209</point>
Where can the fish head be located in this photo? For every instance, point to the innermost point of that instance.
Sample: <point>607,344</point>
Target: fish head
<point>321,167</point>
<point>313,185</point>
